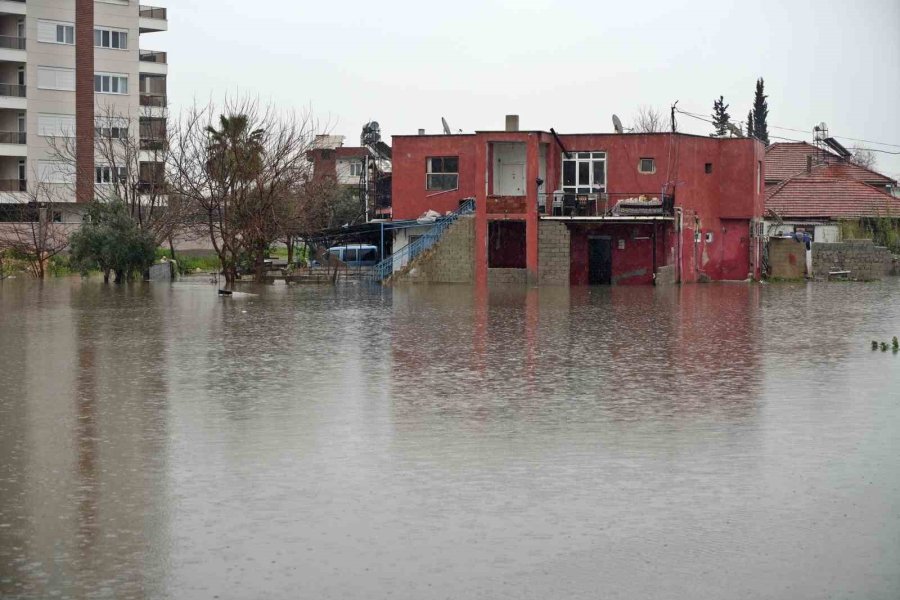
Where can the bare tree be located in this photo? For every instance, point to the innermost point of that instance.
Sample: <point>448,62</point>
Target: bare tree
<point>131,157</point>
<point>863,157</point>
<point>647,119</point>
<point>33,228</point>
<point>240,165</point>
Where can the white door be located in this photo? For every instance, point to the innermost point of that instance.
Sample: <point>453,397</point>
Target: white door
<point>512,179</point>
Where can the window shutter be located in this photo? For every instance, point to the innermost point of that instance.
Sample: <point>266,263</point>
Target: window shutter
<point>46,31</point>
<point>50,78</point>
<point>56,125</point>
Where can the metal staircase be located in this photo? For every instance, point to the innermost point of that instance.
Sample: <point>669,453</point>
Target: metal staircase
<point>408,253</point>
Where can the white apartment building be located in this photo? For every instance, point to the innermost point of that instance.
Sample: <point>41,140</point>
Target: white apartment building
<point>37,89</point>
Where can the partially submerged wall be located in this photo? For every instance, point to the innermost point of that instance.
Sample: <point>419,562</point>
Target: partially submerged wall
<point>450,260</point>
<point>862,258</point>
<point>787,258</point>
<point>554,242</point>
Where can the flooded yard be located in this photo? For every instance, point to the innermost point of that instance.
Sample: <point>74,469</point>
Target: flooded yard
<point>708,441</point>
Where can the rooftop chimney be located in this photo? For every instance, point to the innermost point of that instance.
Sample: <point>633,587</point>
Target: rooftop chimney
<point>421,132</point>
<point>512,122</point>
<point>809,160</point>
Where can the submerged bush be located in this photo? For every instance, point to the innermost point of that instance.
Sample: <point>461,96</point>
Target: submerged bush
<point>111,242</point>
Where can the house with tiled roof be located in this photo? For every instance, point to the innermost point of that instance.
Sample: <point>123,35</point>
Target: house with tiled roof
<point>811,189</point>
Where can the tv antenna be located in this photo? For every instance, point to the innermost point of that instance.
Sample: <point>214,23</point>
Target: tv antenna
<point>446,127</point>
<point>617,124</point>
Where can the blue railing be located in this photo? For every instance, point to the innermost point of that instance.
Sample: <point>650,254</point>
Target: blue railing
<point>405,255</point>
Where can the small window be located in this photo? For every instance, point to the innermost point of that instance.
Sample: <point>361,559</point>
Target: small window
<point>707,168</point>
<point>110,38</point>
<point>110,84</point>
<point>57,217</point>
<point>442,173</point>
<point>106,174</point>
<point>356,169</point>
<point>647,165</point>
<point>65,34</point>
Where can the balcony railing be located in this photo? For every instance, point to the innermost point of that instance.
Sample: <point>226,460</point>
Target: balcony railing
<point>153,12</point>
<point>153,144</point>
<point>13,137</point>
<point>13,185</point>
<point>12,43</point>
<point>12,90</point>
<point>153,56</point>
<point>621,204</point>
<point>157,100</point>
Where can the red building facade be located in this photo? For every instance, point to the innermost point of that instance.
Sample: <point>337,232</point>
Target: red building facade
<point>633,206</point>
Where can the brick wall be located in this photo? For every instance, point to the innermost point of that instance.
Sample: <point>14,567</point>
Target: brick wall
<point>787,259</point>
<point>553,253</point>
<point>84,100</point>
<point>451,260</point>
<point>864,260</point>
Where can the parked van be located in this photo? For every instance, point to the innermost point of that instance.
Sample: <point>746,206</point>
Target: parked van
<point>355,255</point>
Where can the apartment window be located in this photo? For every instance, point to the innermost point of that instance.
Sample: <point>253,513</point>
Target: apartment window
<point>442,173</point>
<point>647,166</point>
<point>51,171</point>
<point>56,32</point>
<point>51,125</point>
<point>584,172</point>
<point>107,174</point>
<point>110,83</point>
<point>356,169</point>
<point>115,39</point>
<point>111,128</point>
<point>707,168</point>
<point>56,78</point>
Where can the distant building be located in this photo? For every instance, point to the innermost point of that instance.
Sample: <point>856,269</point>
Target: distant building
<point>38,98</point>
<point>590,208</point>
<point>811,189</point>
<point>357,169</point>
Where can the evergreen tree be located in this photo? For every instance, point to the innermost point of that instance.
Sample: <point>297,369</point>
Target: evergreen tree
<point>760,113</point>
<point>750,132</point>
<point>720,116</point>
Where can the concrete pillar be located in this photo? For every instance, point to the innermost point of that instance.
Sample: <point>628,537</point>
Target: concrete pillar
<point>532,157</point>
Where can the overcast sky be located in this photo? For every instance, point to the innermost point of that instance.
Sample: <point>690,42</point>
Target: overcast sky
<point>567,65</point>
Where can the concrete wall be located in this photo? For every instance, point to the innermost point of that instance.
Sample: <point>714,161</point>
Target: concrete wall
<point>507,276</point>
<point>862,258</point>
<point>554,242</point>
<point>451,260</point>
<point>787,259</point>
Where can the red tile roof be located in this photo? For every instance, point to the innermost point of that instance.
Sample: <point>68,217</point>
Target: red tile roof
<point>786,159</point>
<point>821,194</point>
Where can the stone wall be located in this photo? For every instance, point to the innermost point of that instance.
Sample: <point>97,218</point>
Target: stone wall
<point>864,260</point>
<point>450,260</point>
<point>787,258</point>
<point>501,276</point>
<point>553,253</point>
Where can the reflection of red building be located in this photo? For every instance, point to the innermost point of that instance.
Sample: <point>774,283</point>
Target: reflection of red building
<point>609,208</point>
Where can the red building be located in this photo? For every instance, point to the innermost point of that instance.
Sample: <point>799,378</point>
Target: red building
<point>605,208</point>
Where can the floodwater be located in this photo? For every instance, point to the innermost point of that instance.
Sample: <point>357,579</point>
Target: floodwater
<point>712,441</point>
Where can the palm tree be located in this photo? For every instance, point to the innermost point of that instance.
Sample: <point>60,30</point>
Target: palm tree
<point>235,151</point>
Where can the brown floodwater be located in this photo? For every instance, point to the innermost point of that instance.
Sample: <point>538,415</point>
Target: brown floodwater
<point>709,441</point>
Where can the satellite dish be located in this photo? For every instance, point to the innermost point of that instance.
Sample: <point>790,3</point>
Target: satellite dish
<point>617,124</point>
<point>735,130</point>
<point>446,127</point>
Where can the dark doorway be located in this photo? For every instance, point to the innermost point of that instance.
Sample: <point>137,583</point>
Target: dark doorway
<point>599,261</point>
<point>506,244</point>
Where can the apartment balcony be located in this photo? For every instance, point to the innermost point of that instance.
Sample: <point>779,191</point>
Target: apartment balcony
<point>153,105</point>
<point>607,206</point>
<point>153,62</point>
<point>12,143</point>
<point>13,96</point>
<point>153,18</point>
<point>12,49</point>
<point>12,7</point>
<point>13,186</point>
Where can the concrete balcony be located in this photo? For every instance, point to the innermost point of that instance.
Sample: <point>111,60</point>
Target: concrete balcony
<point>12,7</point>
<point>12,143</point>
<point>153,18</point>
<point>12,49</point>
<point>153,63</point>
<point>13,96</point>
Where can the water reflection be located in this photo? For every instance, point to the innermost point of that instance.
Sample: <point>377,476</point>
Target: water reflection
<point>434,441</point>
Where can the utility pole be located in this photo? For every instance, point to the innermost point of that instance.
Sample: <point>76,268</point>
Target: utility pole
<point>673,116</point>
<point>84,101</point>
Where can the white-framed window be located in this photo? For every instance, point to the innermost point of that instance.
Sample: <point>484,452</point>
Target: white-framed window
<point>52,125</point>
<point>106,37</point>
<point>56,78</point>
<point>56,32</point>
<point>584,172</point>
<point>110,83</point>
<point>356,169</point>
<point>111,128</point>
<point>106,174</point>
<point>55,171</point>
<point>442,173</point>
<point>647,166</point>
